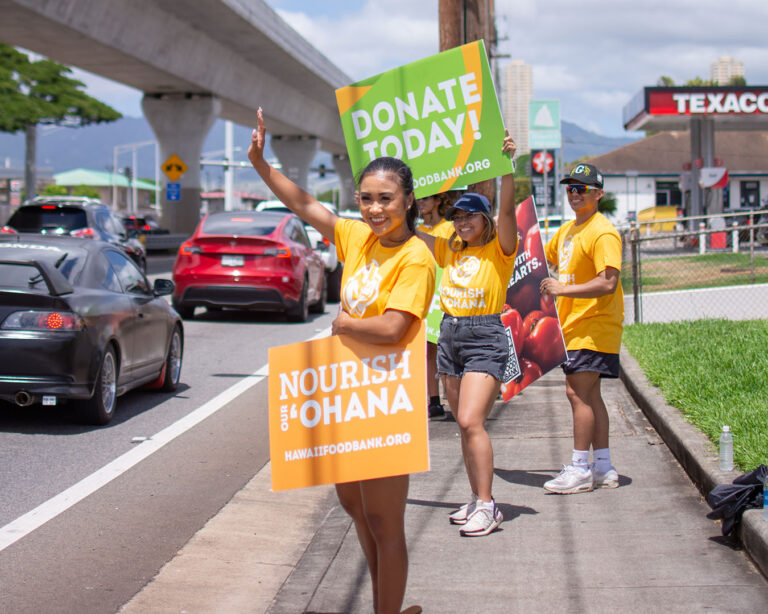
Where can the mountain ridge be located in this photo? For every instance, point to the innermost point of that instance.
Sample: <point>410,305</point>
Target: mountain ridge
<point>92,147</point>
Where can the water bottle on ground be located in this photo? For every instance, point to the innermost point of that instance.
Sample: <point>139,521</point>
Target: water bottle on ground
<point>726,449</point>
<point>765,499</point>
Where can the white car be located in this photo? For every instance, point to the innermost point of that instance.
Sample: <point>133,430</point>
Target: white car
<point>325,249</point>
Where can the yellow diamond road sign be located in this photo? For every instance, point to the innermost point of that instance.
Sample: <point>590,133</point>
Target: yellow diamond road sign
<point>174,167</point>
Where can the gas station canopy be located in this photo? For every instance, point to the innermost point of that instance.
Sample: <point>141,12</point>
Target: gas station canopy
<point>672,108</point>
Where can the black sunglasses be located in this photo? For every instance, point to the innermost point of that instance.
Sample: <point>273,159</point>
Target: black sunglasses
<point>577,188</point>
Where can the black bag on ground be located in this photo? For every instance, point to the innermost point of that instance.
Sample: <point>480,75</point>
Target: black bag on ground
<point>728,501</point>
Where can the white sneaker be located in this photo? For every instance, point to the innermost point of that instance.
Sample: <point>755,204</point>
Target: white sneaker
<point>571,480</point>
<point>460,515</point>
<point>609,479</point>
<point>482,521</point>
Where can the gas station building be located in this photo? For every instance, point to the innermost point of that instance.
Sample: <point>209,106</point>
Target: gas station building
<point>706,151</point>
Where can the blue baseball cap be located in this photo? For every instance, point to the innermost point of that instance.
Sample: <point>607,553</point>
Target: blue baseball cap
<point>471,202</point>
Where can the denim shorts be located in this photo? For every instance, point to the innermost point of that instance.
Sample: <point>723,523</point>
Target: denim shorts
<point>607,365</point>
<point>476,344</point>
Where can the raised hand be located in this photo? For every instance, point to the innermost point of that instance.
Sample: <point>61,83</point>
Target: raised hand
<point>258,139</point>
<point>508,145</point>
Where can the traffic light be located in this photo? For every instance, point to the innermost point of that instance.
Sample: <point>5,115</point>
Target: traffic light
<point>128,172</point>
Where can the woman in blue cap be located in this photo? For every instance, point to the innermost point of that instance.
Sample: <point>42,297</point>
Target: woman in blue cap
<point>473,348</point>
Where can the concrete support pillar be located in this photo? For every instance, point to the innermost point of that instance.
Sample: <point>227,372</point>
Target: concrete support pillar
<point>347,183</point>
<point>295,154</point>
<point>714,196</point>
<point>696,192</point>
<point>703,147</point>
<point>181,123</point>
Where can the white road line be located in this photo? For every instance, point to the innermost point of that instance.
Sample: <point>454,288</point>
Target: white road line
<point>24,525</point>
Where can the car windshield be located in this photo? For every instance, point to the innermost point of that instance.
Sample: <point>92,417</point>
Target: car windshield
<point>17,274</point>
<point>48,217</point>
<point>242,223</point>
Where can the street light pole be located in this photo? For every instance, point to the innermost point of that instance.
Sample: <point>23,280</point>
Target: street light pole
<point>134,147</point>
<point>134,187</point>
<point>229,172</point>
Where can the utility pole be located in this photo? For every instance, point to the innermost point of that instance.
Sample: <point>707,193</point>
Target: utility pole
<point>465,21</point>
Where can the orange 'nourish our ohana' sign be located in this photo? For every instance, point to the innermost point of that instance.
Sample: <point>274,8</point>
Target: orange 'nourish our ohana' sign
<point>341,410</point>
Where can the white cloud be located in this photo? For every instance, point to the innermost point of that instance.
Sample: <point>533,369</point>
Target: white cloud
<point>377,37</point>
<point>593,55</point>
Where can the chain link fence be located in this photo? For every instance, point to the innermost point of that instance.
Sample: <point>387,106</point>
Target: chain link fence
<point>694,268</point>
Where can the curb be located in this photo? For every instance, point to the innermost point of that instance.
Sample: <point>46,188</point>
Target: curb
<point>694,452</point>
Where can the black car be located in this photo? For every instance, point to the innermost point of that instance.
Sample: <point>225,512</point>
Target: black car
<point>79,321</point>
<point>76,217</point>
<point>137,225</point>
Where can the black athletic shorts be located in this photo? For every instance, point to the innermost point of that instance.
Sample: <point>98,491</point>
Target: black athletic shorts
<point>607,365</point>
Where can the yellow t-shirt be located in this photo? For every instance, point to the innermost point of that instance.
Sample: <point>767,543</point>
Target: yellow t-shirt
<point>580,253</point>
<point>475,279</point>
<point>377,278</point>
<point>443,228</point>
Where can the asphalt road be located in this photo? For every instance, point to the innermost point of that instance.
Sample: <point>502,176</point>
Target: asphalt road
<point>91,557</point>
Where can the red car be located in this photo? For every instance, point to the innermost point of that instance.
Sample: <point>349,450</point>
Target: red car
<point>254,260</point>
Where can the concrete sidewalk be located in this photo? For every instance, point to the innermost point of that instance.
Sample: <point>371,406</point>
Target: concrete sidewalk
<point>642,547</point>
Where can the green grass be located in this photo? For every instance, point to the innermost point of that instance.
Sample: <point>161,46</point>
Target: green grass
<point>715,372</point>
<point>696,271</point>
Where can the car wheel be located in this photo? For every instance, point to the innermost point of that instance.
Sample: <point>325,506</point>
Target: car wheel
<point>172,366</point>
<point>100,408</point>
<point>185,311</point>
<point>334,284</point>
<point>300,312</point>
<point>319,305</point>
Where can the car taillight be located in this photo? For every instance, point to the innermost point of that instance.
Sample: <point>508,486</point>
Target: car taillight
<point>8,230</point>
<point>326,241</point>
<point>43,321</point>
<point>146,228</point>
<point>278,252</point>
<point>84,233</point>
<point>190,248</point>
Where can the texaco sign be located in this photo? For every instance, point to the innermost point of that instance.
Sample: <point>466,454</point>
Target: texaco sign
<point>672,107</point>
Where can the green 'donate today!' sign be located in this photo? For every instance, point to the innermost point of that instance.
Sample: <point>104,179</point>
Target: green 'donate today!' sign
<point>440,115</point>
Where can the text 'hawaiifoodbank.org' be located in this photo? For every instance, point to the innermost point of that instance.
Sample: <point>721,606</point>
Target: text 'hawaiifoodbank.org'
<point>345,447</point>
<point>455,172</point>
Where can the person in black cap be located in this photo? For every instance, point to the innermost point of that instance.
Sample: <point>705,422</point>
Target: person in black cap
<point>586,253</point>
<point>472,349</point>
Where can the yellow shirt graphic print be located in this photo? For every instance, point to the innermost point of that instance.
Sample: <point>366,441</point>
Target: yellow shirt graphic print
<point>462,272</point>
<point>377,278</point>
<point>475,279</point>
<point>362,289</point>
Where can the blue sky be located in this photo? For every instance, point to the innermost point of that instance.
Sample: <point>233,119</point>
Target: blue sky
<point>592,55</point>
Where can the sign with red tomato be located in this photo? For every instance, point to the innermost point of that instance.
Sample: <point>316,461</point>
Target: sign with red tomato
<point>536,340</point>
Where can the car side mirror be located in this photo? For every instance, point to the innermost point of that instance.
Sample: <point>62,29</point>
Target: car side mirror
<point>163,287</point>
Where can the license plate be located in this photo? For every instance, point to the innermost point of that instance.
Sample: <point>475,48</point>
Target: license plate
<point>227,260</point>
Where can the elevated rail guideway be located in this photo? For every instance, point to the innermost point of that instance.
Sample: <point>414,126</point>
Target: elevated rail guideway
<point>196,61</point>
